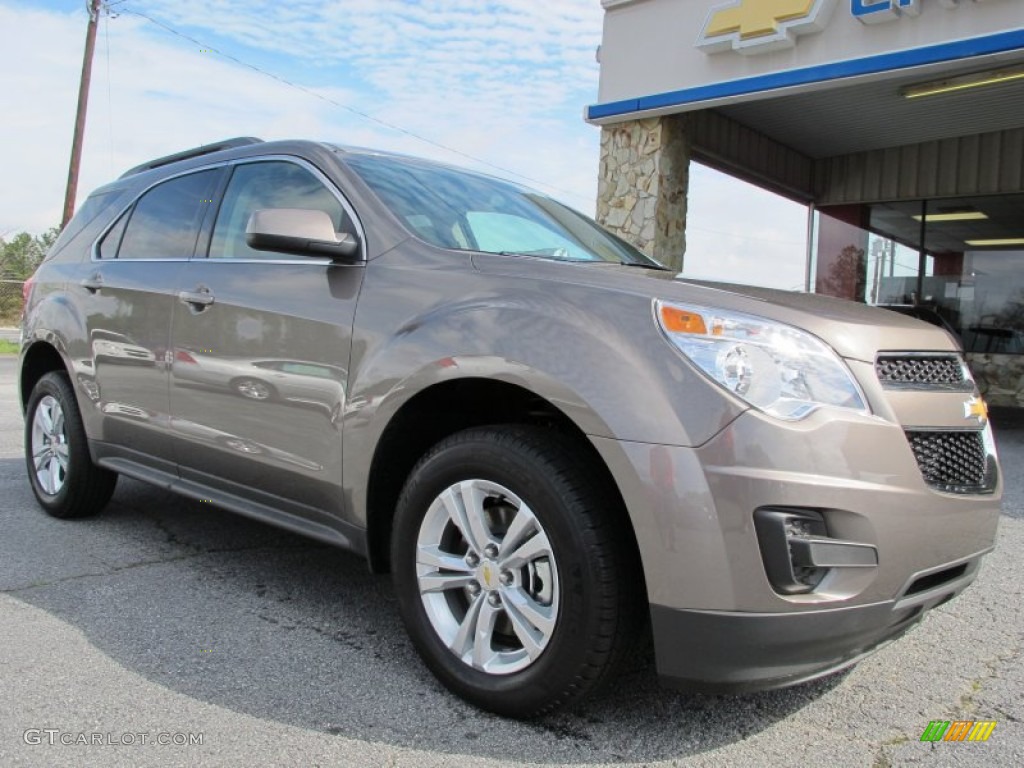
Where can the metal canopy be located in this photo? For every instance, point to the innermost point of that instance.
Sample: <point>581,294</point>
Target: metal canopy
<point>855,118</point>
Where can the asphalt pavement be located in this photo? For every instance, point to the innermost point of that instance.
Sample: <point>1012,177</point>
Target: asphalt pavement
<point>165,620</point>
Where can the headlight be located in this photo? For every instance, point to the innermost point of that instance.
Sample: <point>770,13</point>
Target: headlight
<point>779,369</point>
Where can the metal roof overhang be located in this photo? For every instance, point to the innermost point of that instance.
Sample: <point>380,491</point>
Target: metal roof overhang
<point>857,106</point>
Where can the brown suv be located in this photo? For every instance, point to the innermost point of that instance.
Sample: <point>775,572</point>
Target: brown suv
<point>546,437</point>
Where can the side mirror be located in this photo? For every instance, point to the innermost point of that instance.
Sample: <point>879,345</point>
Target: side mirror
<point>300,231</point>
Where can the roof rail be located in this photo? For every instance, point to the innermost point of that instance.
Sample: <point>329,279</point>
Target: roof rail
<point>203,149</point>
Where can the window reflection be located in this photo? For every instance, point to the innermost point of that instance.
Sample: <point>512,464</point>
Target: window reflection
<point>460,210</point>
<point>164,221</point>
<point>273,184</point>
<point>956,263</point>
<point>952,262</point>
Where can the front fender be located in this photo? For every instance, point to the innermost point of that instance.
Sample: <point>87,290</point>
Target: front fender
<point>594,354</point>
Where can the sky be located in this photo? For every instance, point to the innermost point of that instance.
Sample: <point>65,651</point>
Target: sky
<point>494,85</point>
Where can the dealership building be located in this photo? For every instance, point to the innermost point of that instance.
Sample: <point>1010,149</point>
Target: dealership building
<point>899,123</point>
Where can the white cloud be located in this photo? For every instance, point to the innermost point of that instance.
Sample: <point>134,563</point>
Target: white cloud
<point>161,99</point>
<point>491,76</point>
<point>741,233</point>
<point>159,94</point>
<point>504,81</point>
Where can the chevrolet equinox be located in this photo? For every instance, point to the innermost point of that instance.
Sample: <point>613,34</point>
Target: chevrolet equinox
<point>546,438</point>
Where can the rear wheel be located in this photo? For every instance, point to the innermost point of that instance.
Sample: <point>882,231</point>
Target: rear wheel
<point>65,481</point>
<point>514,579</point>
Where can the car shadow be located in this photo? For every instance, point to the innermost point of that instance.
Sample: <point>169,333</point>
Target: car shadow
<point>247,617</point>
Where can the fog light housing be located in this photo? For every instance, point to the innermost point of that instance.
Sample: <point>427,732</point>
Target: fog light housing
<point>798,552</point>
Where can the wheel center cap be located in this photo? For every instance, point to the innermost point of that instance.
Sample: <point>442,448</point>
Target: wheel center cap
<point>488,576</point>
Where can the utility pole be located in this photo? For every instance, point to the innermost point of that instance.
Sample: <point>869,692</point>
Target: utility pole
<point>83,104</point>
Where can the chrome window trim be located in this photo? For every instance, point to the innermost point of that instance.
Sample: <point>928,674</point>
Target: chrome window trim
<point>301,162</point>
<point>323,261</point>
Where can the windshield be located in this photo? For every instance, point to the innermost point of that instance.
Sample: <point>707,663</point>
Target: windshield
<point>468,212</point>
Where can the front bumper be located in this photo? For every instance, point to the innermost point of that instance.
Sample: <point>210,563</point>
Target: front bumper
<point>719,623</point>
<point>736,652</point>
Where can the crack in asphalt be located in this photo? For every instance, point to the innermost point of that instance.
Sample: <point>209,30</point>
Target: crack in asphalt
<point>994,665</point>
<point>115,569</point>
<point>881,759</point>
<point>966,706</point>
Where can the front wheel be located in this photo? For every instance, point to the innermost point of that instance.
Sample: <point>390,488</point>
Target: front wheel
<point>253,389</point>
<point>513,575</point>
<point>65,481</point>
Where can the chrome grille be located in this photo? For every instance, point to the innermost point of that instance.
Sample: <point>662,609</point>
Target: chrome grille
<point>951,461</point>
<point>924,371</point>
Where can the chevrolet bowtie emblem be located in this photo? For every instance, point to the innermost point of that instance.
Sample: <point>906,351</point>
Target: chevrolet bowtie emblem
<point>757,26</point>
<point>975,408</point>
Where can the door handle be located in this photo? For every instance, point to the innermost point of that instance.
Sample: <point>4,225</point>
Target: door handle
<point>93,283</point>
<point>197,300</point>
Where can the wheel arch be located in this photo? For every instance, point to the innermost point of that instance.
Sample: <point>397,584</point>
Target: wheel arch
<point>449,407</point>
<point>37,360</point>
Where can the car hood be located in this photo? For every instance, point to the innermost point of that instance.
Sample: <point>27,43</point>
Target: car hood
<point>854,330</point>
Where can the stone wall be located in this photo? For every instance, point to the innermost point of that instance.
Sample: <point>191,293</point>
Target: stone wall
<point>1000,378</point>
<point>642,185</point>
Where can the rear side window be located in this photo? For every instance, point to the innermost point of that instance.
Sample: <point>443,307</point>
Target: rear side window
<point>164,223</point>
<point>110,242</point>
<point>270,184</point>
<point>97,203</point>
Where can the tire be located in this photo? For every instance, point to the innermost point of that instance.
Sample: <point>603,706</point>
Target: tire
<point>254,389</point>
<point>559,597</point>
<point>65,481</point>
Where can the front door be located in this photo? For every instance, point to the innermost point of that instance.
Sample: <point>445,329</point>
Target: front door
<point>260,352</point>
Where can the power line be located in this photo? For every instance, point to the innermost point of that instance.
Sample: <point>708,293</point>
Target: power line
<point>346,107</point>
<point>394,127</point>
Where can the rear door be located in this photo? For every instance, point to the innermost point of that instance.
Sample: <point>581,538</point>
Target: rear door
<point>127,298</point>
<point>261,346</point>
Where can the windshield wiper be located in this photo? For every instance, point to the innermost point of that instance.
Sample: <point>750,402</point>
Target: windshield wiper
<point>540,254</point>
<point>644,265</point>
<point>548,257</point>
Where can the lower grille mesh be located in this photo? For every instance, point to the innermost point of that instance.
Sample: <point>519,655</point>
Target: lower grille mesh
<point>952,461</point>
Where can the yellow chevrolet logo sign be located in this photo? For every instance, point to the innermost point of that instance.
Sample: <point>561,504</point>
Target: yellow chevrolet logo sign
<point>756,26</point>
<point>756,18</point>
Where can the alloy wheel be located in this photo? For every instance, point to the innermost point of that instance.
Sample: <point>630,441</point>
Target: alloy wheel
<point>50,445</point>
<point>487,577</point>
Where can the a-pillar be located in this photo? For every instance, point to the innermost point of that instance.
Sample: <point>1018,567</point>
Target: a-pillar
<point>644,175</point>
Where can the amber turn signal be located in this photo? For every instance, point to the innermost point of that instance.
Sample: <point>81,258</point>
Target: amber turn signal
<point>676,320</point>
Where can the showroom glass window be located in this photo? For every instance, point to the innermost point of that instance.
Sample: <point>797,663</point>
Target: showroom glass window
<point>961,260</point>
<point>956,263</point>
